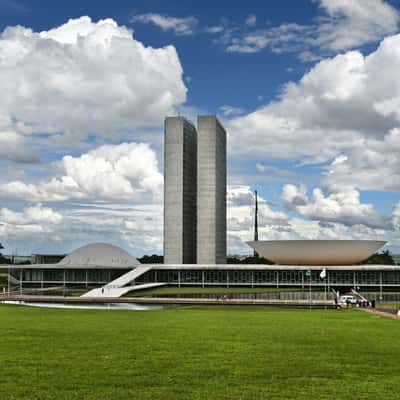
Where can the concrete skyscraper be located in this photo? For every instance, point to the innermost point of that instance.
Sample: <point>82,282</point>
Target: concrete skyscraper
<point>180,191</point>
<point>211,191</point>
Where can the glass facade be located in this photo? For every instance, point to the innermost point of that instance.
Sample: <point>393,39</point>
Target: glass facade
<point>270,277</point>
<point>222,277</point>
<point>75,276</point>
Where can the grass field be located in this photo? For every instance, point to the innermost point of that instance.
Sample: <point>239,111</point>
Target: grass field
<point>197,353</point>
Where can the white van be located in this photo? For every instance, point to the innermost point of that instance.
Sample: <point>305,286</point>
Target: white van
<point>347,299</point>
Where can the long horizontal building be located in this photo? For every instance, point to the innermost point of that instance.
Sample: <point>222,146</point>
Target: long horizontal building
<point>210,275</point>
<point>102,264</point>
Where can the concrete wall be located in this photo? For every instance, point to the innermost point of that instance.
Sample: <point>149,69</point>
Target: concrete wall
<point>180,163</point>
<point>211,191</point>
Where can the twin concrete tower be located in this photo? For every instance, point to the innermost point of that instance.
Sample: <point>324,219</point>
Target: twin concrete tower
<point>194,191</point>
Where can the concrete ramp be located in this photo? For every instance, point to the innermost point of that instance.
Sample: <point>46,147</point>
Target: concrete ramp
<point>117,287</point>
<point>129,277</point>
<point>108,291</point>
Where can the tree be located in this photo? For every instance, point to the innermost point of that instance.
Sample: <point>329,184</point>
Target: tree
<point>3,260</point>
<point>153,259</point>
<point>384,258</point>
<point>249,260</point>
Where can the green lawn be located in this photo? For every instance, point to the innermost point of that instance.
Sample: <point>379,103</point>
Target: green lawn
<point>197,353</point>
<point>174,290</point>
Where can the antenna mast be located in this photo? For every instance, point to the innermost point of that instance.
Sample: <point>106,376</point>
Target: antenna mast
<point>256,221</point>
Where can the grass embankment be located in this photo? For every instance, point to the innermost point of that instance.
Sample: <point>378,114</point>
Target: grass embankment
<point>197,353</point>
<point>174,290</point>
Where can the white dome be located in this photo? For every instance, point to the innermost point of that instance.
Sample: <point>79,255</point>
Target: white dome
<point>100,254</point>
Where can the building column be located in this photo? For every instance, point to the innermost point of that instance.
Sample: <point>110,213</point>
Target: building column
<point>64,283</point>
<point>252,278</point>
<point>179,278</point>
<point>20,281</point>
<point>227,278</point>
<point>202,277</point>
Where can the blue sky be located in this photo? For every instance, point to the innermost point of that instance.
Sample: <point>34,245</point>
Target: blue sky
<point>308,91</point>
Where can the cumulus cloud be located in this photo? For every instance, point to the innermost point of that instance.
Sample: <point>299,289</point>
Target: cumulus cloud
<point>240,218</point>
<point>311,119</point>
<point>125,171</point>
<point>337,113</point>
<point>136,227</point>
<point>34,214</point>
<point>179,26</point>
<point>85,78</point>
<point>370,165</point>
<point>345,208</point>
<point>33,220</point>
<point>241,210</point>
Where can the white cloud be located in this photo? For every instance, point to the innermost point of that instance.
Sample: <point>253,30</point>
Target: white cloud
<point>136,227</point>
<point>180,26</point>
<point>125,171</point>
<point>396,215</point>
<point>353,23</point>
<point>241,210</point>
<point>345,25</point>
<point>229,111</point>
<point>15,148</point>
<point>371,165</point>
<point>27,224</point>
<point>251,20</point>
<point>215,29</point>
<point>85,78</point>
<point>345,208</point>
<point>249,43</point>
<point>286,37</point>
<point>335,110</point>
<point>31,215</point>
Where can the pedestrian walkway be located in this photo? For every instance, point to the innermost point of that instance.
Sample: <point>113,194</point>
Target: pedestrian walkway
<point>381,313</point>
<point>109,291</point>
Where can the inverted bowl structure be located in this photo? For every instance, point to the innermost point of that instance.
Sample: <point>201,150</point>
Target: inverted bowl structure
<point>100,254</point>
<point>316,252</point>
